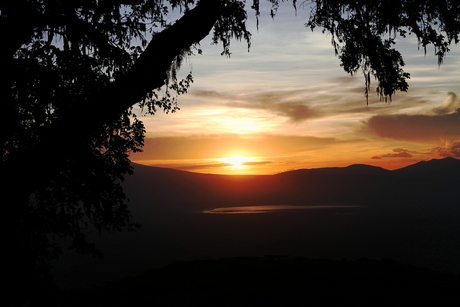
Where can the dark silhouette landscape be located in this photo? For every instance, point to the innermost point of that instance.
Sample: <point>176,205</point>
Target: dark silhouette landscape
<point>410,215</point>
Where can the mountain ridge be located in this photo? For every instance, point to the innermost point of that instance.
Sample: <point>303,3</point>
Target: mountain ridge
<point>446,168</point>
<point>357,183</point>
<point>444,163</point>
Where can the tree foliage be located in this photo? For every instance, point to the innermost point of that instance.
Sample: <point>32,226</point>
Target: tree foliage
<point>363,35</point>
<point>72,71</point>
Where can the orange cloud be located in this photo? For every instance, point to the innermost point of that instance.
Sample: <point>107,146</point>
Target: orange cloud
<point>450,150</point>
<point>216,165</point>
<point>397,153</point>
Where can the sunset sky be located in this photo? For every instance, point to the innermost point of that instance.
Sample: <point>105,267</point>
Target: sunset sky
<point>287,104</point>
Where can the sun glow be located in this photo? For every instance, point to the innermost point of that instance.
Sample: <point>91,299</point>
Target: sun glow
<point>236,161</point>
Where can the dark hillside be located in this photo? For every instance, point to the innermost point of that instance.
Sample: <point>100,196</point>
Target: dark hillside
<point>352,184</point>
<point>278,281</point>
<point>174,189</point>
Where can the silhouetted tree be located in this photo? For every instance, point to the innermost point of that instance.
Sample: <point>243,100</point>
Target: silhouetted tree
<point>71,71</point>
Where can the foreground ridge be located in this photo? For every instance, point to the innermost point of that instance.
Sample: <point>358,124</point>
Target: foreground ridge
<point>279,280</point>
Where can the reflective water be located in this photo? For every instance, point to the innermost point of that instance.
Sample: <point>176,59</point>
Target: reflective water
<point>272,208</point>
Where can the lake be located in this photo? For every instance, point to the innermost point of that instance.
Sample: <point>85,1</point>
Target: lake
<point>273,208</point>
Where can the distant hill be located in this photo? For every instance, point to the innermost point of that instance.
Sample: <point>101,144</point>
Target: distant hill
<point>361,169</point>
<point>411,215</point>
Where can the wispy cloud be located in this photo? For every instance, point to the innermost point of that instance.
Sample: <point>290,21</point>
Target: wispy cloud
<point>217,165</point>
<point>204,166</point>
<point>450,150</point>
<point>450,105</point>
<point>282,103</point>
<point>398,153</point>
<point>255,163</point>
<point>337,96</point>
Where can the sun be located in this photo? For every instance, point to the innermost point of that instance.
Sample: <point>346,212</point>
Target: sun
<point>237,161</point>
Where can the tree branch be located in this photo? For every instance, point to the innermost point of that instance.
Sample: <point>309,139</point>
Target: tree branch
<point>149,71</point>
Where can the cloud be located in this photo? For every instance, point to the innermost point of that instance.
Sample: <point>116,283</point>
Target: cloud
<point>204,166</point>
<point>283,103</point>
<point>450,105</point>
<point>420,128</point>
<point>296,112</point>
<point>209,94</point>
<point>216,165</point>
<point>335,97</point>
<point>220,146</point>
<point>255,163</point>
<point>397,153</point>
<point>450,150</point>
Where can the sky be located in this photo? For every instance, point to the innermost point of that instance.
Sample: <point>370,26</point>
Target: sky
<point>287,104</point>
